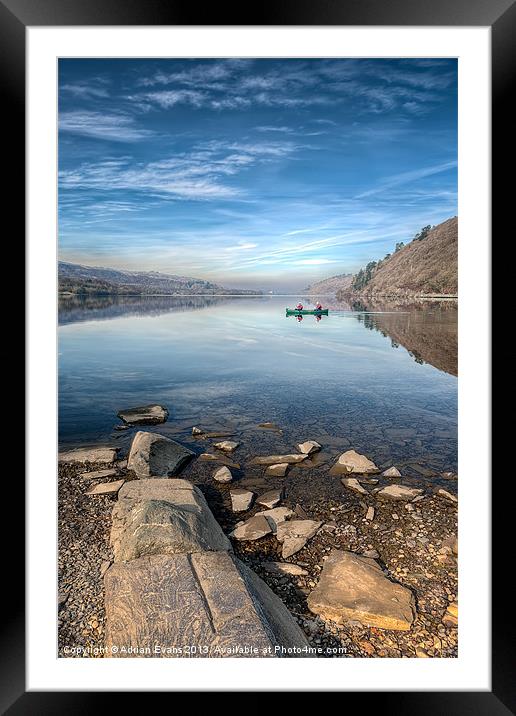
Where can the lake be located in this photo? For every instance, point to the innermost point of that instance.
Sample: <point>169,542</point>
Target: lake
<point>378,377</point>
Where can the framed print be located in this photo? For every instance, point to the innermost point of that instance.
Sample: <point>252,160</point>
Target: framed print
<point>258,260</point>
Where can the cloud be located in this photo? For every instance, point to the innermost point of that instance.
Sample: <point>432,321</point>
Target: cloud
<point>110,127</point>
<point>84,90</point>
<point>404,177</point>
<point>190,175</point>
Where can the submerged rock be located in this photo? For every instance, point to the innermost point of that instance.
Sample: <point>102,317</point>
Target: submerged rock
<point>290,459</point>
<point>279,470</point>
<point>399,492</point>
<point>197,431</point>
<point>308,447</point>
<point>252,529</point>
<point>271,498</point>
<point>144,415</point>
<point>241,499</point>
<point>391,472</point>
<point>226,446</point>
<point>354,587</point>
<point>352,461</point>
<point>154,455</point>
<point>89,454</point>
<point>353,484</point>
<point>223,474</point>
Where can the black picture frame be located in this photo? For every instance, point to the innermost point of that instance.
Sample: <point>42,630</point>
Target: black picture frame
<point>500,16</point>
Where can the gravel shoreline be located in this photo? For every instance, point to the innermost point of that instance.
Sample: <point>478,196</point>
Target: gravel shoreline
<point>412,541</point>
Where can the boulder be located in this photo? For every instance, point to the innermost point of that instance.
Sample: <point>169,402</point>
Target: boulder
<point>89,454</point>
<point>106,488</point>
<point>354,587</point>
<point>290,459</point>
<point>209,603</point>
<point>279,470</point>
<point>226,446</point>
<point>391,472</point>
<point>399,492</point>
<point>275,516</point>
<point>271,498</point>
<point>284,568</point>
<point>157,516</point>
<point>295,534</point>
<point>308,447</point>
<point>241,499</point>
<point>154,455</point>
<point>96,474</point>
<point>223,474</point>
<point>353,484</point>
<point>252,529</point>
<point>144,415</point>
<point>352,461</point>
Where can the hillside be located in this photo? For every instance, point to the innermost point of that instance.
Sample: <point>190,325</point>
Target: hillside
<point>427,266</point>
<point>330,286</point>
<point>77,279</point>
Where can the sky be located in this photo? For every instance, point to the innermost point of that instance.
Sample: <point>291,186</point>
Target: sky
<point>265,173</point>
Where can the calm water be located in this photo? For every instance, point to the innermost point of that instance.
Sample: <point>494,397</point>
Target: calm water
<point>380,378</point>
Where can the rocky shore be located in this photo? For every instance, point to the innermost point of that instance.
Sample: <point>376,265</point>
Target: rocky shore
<point>364,556</point>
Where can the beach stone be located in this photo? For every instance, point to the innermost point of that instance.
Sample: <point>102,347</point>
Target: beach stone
<point>241,499</point>
<point>271,498</point>
<point>399,492</point>
<point>97,474</point>
<point>154,455</point>
<point>144,415</point>
<point>279,470</point>
<point>106,488</point>
<point>157,516</point>
<point>451,617</point>
<point>308,447</point>
<point>197,431</point>
<point>223,474</point>
<point>252,529</point>
<point>89,454</point>
<point>354,587</point>
<point>208,598</point>
<point>445,495</point>
<point>370,513</point>
<point>352,461</point>
<point>284,568</point>
<point>353,484</point>
<point>290,459</point>
<point>122,464</point>
<point>269,426</point>
<point>391,472</point>
<point>295,534</point>
<point>275,516</point>
<point>226,445</point>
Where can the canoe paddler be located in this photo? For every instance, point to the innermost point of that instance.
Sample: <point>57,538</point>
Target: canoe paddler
<point>299,307</point>
<point>318,306</point>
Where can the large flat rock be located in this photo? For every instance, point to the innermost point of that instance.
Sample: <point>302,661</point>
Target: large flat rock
<point>353,462</point>
<point>290,459</point>
<point>100,453</point>
<point>165,605</point>
<point>144,415</point>
<point>354,587</point>
<point>155,516</point>
<point>154,455</point>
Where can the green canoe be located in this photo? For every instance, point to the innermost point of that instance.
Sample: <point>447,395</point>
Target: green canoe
<point>304,312</point>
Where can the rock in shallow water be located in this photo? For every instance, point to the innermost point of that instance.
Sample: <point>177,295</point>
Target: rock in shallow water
<point>279,470</point>
<point>353,484</point>
<point>289,459</point>
<point>276,516</point>
<point>144,415</point>
<point>309,447</point>
<point>270,499</point>
<point>354,587</point>
<point>223,474</point>
<point>253,529</point>
<point>154,455</point>
<point>295,534</point>
<point>241,499</point>
<point>226,445</point>
<point>399,492</point>
<point>352,461</point>
<point>391,472</point>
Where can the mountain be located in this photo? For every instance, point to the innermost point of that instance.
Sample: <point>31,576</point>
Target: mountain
<point>77,279</point>
<point>330,286</point>
<point>427,266</point>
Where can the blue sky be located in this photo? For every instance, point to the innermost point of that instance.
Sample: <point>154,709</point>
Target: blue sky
<point>252,173</point>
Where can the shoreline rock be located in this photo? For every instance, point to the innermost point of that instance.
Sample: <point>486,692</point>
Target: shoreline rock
<point>144,415</point>
<point>154,455</point>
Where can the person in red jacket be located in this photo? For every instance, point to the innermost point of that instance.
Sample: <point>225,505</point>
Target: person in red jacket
<point>299,307</point>
<point>318,306</point>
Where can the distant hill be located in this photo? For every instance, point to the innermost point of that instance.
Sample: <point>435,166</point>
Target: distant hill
<point>77,279</point>
<point>330,286</point>
<point>427,266</point>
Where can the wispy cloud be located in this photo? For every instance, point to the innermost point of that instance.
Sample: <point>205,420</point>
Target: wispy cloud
<point>111,127</point>
<point>405,177</point>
